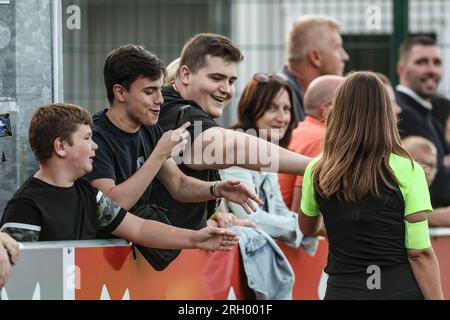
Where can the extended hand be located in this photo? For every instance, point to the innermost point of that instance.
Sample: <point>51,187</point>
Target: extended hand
<point>234,190</point>
<point>211,238</point>
<point>5,266</point>
<point>225,220</point>
<point>11,245</point>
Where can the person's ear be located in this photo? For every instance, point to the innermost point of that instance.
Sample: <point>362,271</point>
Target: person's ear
<point>185,74</point>
<point>324,109</point>
<point>119,92</point>
<point>315,58</point>
<point>59,147</point>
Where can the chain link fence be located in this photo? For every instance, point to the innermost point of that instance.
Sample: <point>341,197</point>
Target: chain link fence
<point>258,27</point>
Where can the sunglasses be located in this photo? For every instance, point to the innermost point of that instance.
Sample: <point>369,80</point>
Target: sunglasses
<point>261,77</point>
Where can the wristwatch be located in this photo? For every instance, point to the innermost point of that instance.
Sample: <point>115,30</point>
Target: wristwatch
<point>212,190</point>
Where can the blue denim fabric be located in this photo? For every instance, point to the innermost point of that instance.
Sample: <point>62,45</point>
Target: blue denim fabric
<point>277,220</point>
<point>268,271</point>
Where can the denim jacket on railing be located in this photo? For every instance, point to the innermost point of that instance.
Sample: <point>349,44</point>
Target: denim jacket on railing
<point>268,271</point>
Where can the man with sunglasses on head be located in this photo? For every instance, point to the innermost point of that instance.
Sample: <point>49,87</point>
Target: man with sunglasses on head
<point>205,81</point>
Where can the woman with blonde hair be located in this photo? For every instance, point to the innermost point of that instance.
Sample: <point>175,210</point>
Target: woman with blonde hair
<point>373,199</point>
<point>172,70</point>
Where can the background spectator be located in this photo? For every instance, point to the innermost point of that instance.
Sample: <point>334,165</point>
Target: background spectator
<point>388,85</point>
<point>313,48</point>
<point>420,70</point>
<point>172,70</point>
<point>307,138</point>
<point>424,153</point>
<point>266,107</point>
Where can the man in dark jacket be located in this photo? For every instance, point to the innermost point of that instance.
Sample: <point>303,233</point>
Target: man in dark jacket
<point>420,71</point>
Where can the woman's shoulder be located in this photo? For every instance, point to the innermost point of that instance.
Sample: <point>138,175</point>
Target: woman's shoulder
<point>403,167</point>
<point>313,162</point>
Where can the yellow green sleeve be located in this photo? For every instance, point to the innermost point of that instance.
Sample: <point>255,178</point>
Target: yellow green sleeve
<point>417,198</point>
<point>309,205</point>
<point>413,185</point>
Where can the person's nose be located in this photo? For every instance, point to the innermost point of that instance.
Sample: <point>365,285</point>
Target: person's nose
<point>282,116</point>
<point>434,69</point>
<point>345,56</point>
<point>226,87</point>
<point>159,98</point>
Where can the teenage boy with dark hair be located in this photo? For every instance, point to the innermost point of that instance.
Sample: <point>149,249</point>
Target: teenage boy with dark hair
<point>133,149</point>
<point>57,204</point>
<point>205,81</point>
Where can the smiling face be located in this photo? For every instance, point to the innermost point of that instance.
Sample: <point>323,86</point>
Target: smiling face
<point>211,87</point>
<point>422,71</point>
<point>143,101</point>
<point>275,120</point>
<point>81,150</point>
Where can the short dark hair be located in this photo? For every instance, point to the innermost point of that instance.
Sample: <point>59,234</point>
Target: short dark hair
<point>197,48</point>
<point>54,121</point>
<point>256,100</point>
<point>408,44</point>
<point>128,63</point>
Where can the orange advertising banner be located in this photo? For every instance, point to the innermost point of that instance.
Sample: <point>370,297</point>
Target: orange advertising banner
<point>108,271</point>
<point>112,273</point>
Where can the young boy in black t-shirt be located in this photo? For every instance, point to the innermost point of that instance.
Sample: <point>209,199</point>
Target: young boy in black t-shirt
<point>57,204</point>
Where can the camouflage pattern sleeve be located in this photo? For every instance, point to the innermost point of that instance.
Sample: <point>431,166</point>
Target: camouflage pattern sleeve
<point>22,234</point>
<point>107,211</point>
